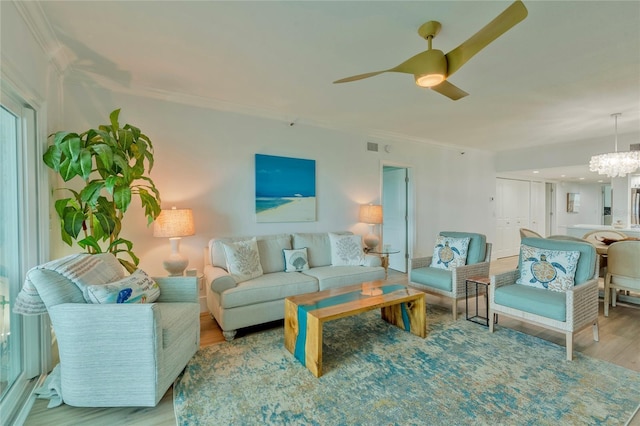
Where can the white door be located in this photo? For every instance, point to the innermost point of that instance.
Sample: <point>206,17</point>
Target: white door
<point>537,222</point>
<point>512,213</point>
<point>394,206</point>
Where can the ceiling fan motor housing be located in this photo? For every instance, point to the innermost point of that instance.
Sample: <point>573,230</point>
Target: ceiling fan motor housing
<point>433,68</point>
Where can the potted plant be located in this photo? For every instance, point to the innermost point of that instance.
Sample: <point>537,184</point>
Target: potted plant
<point>114,163</point>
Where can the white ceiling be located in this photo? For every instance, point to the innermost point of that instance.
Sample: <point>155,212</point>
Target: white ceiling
<point>555,77</point>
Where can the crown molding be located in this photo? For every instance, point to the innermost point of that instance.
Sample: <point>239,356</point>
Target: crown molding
<point>37,22</point>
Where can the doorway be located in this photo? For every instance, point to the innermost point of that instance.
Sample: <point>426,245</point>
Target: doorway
<point>397,221</point>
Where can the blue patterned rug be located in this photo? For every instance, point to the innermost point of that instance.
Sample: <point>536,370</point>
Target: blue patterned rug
<point>377,374</point>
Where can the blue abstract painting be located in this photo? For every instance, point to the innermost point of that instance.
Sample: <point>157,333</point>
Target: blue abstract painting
<point>285,189</point>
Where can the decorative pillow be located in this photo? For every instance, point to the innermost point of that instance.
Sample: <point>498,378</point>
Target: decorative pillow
<point>449,252</point>
<point>243,260</point>
<point>346,250</point>
<point>550,269</point>
<point>136,288</point>
<point>295,260</point>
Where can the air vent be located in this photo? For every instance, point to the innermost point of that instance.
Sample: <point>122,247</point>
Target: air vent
<point>372,146</point>
<point>634,147</point>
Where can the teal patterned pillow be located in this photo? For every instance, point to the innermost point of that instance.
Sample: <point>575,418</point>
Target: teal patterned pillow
<point>243,260</point>
<point>549,269</point>
<point>295,260</point>
<point>449,252</point>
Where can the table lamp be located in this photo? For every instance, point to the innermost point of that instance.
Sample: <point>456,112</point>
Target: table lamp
<point>371,214</point>
<point>174,224</point>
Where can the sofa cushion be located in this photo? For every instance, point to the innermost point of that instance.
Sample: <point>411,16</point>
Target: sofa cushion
<point>548,269</point>
<point>346,250</point>
<point>269,249</point>
<point>538,301</point>
<point>274,286</point>
<point>449,252</point>
<point>339,276</point>
<point>243,261</point>
<point>432,277</point>
<point>318,246</point>
<point>477,245</point>
<point>585,269</point>
<point>295,260</point>
<point>136,288</point>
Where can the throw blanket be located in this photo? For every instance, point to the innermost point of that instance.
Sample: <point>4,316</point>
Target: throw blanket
<point>82,269</point>
<point>51,389</point>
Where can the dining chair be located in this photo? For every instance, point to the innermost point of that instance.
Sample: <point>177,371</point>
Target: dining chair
<point>596,238</point>
<point>623,271</point>
<point>528,233</point>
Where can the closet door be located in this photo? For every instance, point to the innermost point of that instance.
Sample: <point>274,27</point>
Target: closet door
<point>512,213</point>
<point>537,208</point>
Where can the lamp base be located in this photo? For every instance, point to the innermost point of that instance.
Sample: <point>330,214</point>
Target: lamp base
<point>371,241</point>
<point>176,263</point>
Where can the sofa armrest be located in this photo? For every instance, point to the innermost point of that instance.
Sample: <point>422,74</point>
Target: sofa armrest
<point>372,260</point>
<point>420,262</point>
<point>178,289</point>
<point>217,279</point>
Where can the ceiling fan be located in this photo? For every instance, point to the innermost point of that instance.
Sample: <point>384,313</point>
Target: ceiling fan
<point>432,67</point>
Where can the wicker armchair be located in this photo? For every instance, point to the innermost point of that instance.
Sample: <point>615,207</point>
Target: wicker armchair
<point>566,312</point>
<point>451,284</point>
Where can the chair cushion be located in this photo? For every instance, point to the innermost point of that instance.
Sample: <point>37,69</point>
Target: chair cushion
<point>477,245</point>
<point>585,269</point>
<point>549,269</point>
<point>449,252</point>
<point>538,301</point>
<point>432,277</point>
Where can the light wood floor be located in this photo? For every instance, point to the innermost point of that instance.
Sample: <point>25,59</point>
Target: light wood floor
<point>619,344</point>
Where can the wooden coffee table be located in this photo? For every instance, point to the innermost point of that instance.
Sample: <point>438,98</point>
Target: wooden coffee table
<point>305,314</point>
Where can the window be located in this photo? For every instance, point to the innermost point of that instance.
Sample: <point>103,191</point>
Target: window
<point>22,349</point>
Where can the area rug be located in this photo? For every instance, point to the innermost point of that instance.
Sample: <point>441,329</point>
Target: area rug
<point>377,374</point>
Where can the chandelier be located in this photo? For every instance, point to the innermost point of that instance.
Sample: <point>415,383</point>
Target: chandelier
<point>615,164</point>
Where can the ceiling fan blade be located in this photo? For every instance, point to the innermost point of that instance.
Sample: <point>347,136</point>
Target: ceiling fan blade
<point>494,29</point>
<point>449,90</point>
<point>359,76</point>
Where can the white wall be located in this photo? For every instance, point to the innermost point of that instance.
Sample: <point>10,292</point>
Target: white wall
<point>590,204</point>
<point>205,161</point>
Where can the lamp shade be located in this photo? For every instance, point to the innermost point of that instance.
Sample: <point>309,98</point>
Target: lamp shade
<point>371,214</point>
<point>174,223</point>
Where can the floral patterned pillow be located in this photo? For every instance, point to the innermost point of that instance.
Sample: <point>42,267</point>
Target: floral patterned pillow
<point>346,250</point>
<point>549,269</point>
<point>243,260</point>
<point>450,252</point>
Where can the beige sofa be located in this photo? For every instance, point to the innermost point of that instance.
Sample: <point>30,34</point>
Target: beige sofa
<point>261,299</point>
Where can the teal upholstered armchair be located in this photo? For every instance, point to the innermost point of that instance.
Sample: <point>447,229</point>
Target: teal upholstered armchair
<point>445,278</point>
<point>112,353</point>
<point>555,286</point>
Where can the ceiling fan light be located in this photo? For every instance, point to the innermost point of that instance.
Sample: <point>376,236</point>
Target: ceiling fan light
<point>429,80</point>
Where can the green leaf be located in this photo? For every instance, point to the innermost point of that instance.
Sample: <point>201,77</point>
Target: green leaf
<point>91,192</point>
<point>75,147</point>
<point>58,137</point>
<point>60,206</point>
<point>52,157</point>
<point>67,169</point>
<point>86,163</point>
<point>113,117</point>
<point>104,153</point>
<point>122,167</point>
<point>90,241</point>
<point>122,197</point>
<point>72,221</point>
<point>105,222</point>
